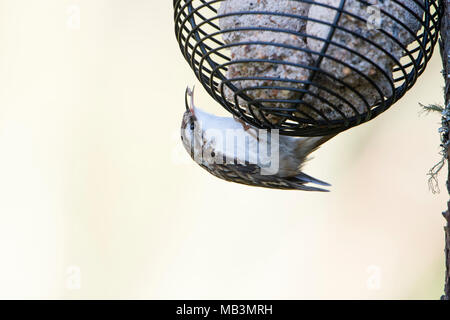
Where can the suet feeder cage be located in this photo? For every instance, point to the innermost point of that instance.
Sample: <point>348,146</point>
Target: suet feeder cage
<point>307,68</point>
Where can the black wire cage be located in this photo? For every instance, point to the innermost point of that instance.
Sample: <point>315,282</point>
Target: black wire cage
<point>307,68</point>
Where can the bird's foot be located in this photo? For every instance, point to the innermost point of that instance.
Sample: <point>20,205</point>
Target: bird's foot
<point>247,128</point>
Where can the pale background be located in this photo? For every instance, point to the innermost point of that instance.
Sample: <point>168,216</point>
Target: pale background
<point>98,200</point>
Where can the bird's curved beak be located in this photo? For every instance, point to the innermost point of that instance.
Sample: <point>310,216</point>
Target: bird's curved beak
<point>190,93</point>
<point>186,101</point>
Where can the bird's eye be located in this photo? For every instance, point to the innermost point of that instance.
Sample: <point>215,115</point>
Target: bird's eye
<point>192,126</point>
<point>182,138</point>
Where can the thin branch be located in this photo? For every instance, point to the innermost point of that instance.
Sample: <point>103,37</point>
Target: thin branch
<point>446,295</point>
<point>445,129</point>
<point>432,108</point>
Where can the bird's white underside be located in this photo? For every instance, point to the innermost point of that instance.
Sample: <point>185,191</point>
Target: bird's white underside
<point>226,136</point>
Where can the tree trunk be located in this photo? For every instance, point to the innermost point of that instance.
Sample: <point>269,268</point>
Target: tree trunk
<point>445,52</point>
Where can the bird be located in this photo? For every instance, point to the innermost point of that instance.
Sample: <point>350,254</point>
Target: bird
<point>228,150</point>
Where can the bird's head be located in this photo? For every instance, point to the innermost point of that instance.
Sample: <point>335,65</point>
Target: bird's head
<point>190,126</point>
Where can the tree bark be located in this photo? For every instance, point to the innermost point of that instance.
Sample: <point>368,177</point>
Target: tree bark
<point>446,295</point>
<point>445,53</point>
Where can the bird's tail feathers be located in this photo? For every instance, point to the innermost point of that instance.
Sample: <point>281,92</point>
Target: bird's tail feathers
<point>304,178</point>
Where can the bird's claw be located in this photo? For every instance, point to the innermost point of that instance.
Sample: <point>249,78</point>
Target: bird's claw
<point>246,127</point>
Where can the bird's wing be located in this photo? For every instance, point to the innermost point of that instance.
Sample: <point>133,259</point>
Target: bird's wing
<point>249,174</point>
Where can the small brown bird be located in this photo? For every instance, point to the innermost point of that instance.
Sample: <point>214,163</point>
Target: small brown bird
<point>228,151</point>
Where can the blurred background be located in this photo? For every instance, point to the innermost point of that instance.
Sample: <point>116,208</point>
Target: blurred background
<point>99,200</point>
